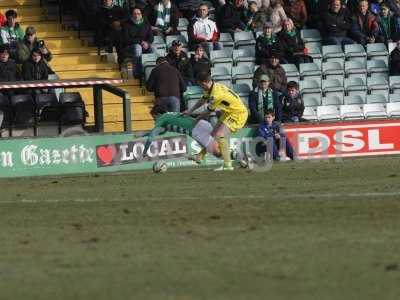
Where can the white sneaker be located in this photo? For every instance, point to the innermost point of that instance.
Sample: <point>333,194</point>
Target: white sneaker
<point>224,168</point>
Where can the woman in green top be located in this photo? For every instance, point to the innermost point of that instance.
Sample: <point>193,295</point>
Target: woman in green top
<point>389,24</point>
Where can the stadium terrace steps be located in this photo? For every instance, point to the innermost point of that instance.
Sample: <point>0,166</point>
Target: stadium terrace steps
<point>108,98</point>
<point>80,50</point>
<point>62,34</point>
<point>16,3</point>
<point>88,74</point>
<point>75,59</point>
<point>22,10</point>
<point>83,67</point>
<point>63,43</point>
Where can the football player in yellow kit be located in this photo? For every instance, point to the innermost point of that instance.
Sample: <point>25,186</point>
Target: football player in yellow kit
<point>233,116</point>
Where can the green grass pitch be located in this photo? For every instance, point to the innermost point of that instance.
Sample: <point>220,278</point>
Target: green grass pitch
<point>304,230</point>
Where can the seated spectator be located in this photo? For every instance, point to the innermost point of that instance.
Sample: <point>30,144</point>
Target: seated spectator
<point>8,69</point>
<point>395,60</point>
<point>275,72</point>
<point>202,30</point>
<point>275,138</point>
<point>335,24</point>
<point>35,69</point>
<point>164,18</point>
<point>266,44</point>
<point>11,33</point>
<point>106,16</point>
<point>177,58</point>
<point>292,104</point>
<point>292,45</point>
<point>394,6</point>
<point>167,84</point>
<point>188,8</point>
<point>389,25</point>
<point>365,28</point>
<point>137,37</point>
<point>277,15</point>
<point>200,62</point>
<point>30,42</point>
<point>249,15</point>
<point>260,18</point>
<point>231,17</point>
<point>263,98</point>
<point>296,10</point>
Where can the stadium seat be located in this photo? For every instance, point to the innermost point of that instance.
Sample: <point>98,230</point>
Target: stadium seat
<point>376,110</point>
<point>183,24</point>
<point>314,50</point>
<point>332,70</point>
<point>310,86</point>
<point>354,99</point>
<point>310,113</point>
<point>377,51</point>
<point>377,66</point>
<point>291,72</point>
<point>159,43</point>
<point>24,110</point>
<point>221,58</point>
<point>351,112</point>
<point>221,73</point>
<point>243,56</point>
<point>226,40</point>
<point>393,110</point>
<point>394,84</point>
<point>47,108</point>
<point>328,113</point>
<point>181,37</point>
<point>355,69</point>
<point>332,51</point>
<point>72,109</point>
<point>377,98</point>
<point>193,92</point>
<point>5,108</point>
<point>243,90</point>
<point>310,70</point>
<point>355,52</point>
<point>311,100</point>
<point>310,35</point>
<point>147,73</point>
<point>243,39</point>
<point>332,100</point>
<point>243,73</point>
<point>378,84</point>
<point>355,84</point>
<point>332,87</point>
<point>394,97</point>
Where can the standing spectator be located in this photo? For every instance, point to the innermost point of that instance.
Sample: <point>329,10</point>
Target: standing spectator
<point>292,45</point>
<point>200,62</point>
<point>231,17</point>
<point>106,16</point>
<point>335,24</point>
<point>365,28</point>
<point>29,43</point>
<point>275,138</point>
<point>204,31</point>
<point>177,57</point>
<point>296,10</point>
<point>274,71</point>
<point>167,84</point>
<point>137,38</point>
<point>263,98</point>
<point>389,25</point>
<point>164,18</point>
<point>292,104</point>
<point>11,33</point>
<point>395,60</point>
<point>266,44</point>
<point>277,15</point>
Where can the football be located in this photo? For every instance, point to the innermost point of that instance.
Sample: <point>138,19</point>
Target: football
<point>160,166</point>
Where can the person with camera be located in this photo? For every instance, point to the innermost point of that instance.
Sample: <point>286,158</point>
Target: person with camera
<point>30,42</point>
<point>11,33</point>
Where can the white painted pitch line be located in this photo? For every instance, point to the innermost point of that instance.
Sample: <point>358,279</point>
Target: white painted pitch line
<point>225,197</point>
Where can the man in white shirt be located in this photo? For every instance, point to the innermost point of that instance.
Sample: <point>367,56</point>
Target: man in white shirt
<point>204,31</point>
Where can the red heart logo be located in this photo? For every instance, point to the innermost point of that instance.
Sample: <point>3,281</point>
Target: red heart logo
<point>106,154</point>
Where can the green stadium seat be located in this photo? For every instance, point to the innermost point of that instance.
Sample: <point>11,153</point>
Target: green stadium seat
<point>221,58</point>
<point>354,99</point>
<point>374,111</point>
<point>310,35</point>
<point>332,100</point>
<point>393,110</point>
<point>310,113</point>
<point>243,56</point>
<point>243,39</point>
<point>328,113</point>
<point>311,100</point>
<point>351,112</point>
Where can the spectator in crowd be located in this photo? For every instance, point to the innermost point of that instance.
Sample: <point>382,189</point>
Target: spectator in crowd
<point>11,33</point>
<point>29,43</point>
<point>249,15</point>
<point>266,44</point>
<point>35,69</point>
<point>395,60</point>
<point>137,37</point>
<point>335,24</point>
<point>277,15</point>
<point>177,58</point>
<point>292,104</point>
<point>275,138</point>
<point>294,51</point>
<point>107,15</point>
<point>164,18</point>
<point>296,10</point>
<point>263,98</point>
<point>389,25</point>
<point>375,6</point>
<point>202,30</point>
<point>3,20</point>
<point>274,71</point>
<point>365,28</point>
<point>394,6</point>
<point>260,18</point>
<point>231,17</point>
<point>88,10</point>
<point>200,62</point>
<point>8,67</point>
<point>167,84</point>
<point>188,8</point>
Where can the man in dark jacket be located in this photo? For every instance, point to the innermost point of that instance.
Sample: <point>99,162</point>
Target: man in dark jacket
<point>8,68</point>
<point>35,69</point>
<point>335,24</point>
<point>177,57</point>
<point>106,16</point>
<point>266,44</point>
<point>395,61</point>
<point>263,98</point>
<point>167,84</point>
<point>231,16</point>
<point>365,28</point>
<point>292,104</point>
<point>275,72</point>
<point>137,37</point>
